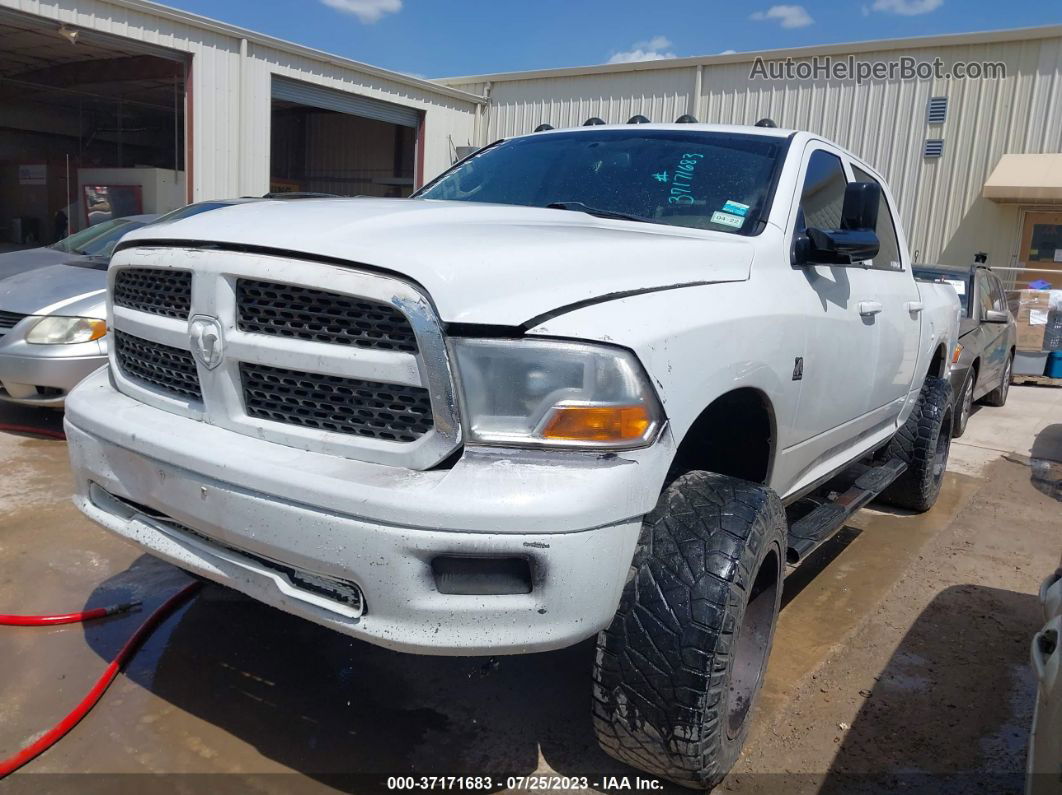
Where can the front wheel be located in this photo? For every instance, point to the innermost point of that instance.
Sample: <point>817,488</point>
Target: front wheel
<point>964,406</point>
<point>998,396</point>
<point>678,669</point>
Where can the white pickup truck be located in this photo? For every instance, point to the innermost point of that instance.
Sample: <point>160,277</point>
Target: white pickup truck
<point>608,381</point>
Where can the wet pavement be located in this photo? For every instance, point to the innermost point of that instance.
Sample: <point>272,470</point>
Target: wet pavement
<point>921,613</point>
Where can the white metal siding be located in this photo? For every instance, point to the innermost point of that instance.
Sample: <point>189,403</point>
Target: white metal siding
<point>883,122</point>
<point>230,91</point>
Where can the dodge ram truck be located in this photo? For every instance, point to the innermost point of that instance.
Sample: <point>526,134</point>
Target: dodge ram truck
<point>611,381</point>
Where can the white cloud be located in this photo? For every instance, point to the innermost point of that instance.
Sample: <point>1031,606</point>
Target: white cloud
<point>907,8</point>
<point>654,49</point>
<point>791,16</point>
<point>368,11</point>
<point>728,52</point>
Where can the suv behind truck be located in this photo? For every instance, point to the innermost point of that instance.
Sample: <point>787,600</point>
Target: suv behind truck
<point>609,381</point>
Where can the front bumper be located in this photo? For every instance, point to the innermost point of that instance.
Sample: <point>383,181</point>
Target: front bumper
<point>245,513</point>
<point>57,368</point>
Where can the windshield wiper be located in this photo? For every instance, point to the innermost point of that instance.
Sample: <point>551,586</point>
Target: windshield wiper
<point>584,208</point>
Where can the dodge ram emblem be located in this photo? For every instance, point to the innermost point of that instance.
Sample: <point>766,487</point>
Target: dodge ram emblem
<point>207,342</point>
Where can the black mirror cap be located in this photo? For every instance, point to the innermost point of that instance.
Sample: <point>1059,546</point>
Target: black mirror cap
<point>840,246</point>
<point>593,121</point>
<point>686,118</point>
<point>861,203</point>
<point>543,127</point>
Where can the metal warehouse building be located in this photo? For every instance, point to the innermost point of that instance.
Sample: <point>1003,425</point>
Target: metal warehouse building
<point>112,106</point>
<point>974,163</point>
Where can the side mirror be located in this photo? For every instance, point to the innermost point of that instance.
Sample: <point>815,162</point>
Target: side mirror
<point>855,241</point>
<point>995,316</point>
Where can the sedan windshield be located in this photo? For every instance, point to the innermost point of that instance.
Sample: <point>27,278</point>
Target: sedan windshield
<point>77,242</point>
<point>103,245</point>
<point>706,180</point>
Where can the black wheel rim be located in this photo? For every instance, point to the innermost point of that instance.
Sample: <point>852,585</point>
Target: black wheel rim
<point>940,452</point>
<point>752,643</point>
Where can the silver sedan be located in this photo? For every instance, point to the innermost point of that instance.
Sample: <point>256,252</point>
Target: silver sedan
<point>52,331</point>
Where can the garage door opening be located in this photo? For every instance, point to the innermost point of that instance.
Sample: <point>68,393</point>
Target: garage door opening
<point>91,128</point>
<point>325,141</point>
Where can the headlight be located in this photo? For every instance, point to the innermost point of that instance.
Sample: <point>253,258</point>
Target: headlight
<point>66,330</point>
<point>555,394</point>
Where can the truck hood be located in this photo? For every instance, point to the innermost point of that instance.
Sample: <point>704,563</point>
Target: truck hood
<point>56,290</point>
<point>480,263</point>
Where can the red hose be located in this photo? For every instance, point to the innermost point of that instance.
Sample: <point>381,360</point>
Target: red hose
<point>66,618</point>
<point>46,432</point>
<point>54,734</point>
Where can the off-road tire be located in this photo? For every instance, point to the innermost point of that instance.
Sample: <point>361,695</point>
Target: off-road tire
<point>964,405</point>
<point>923,444</point>
<point>677,670</point>
<point>998,396</point>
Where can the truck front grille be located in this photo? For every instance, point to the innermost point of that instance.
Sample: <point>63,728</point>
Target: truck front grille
<point>392,412</point>
<point>167,369</point>
<point>348,362</point>
<point>286,310</point>
<point>157,291</point>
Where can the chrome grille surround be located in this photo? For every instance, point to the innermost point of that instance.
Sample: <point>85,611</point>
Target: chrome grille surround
<point>214,295</point>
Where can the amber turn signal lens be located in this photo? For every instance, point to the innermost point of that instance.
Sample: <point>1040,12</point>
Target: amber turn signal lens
<point>599,423</point>
<point>956,353</point>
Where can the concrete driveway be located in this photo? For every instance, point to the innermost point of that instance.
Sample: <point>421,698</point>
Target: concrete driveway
<point>901,657</point>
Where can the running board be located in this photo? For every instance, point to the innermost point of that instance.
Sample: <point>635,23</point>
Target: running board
<point>816,528</point>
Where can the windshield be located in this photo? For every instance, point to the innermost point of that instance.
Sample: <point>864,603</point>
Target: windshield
<point>103,245</point>
<point>960,285</point>
<point>706,180</point>
<point>189,210</point>
<point>75,243</point>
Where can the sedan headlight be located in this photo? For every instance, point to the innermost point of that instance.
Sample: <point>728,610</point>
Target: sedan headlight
<point>555,394</point>
<point>66,330</point>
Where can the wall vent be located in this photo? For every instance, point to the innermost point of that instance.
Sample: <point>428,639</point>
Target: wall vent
<point>937,110</point>
<point>934,148</point>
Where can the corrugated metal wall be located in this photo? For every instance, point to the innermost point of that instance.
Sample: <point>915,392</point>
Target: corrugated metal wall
<point>230,90</point>
<point>884,122</point>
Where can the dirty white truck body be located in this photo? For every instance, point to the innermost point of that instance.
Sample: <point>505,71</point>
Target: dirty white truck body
<point>346,529</point>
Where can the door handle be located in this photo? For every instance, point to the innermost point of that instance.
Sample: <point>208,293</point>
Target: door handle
<point>914,306</point>
<point>867,308</point>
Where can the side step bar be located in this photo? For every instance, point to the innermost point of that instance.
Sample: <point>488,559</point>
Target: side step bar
<point>817,527</point>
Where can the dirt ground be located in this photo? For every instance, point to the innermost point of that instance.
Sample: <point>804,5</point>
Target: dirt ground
<point>900,661</point>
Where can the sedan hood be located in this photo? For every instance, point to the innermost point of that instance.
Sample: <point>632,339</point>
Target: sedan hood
<point>15,262</point>
<point>56,290</point>
<point>481,263</point>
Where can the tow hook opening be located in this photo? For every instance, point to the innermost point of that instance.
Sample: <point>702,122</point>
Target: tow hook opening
<point>481,576</point>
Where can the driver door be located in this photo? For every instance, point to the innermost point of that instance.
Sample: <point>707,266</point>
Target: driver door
<point>841,344</point>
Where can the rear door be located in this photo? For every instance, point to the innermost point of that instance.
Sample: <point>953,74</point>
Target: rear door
<point>898,321</point>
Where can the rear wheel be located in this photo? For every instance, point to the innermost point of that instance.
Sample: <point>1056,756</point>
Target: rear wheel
<point>998,396</point>
<point>677,671</point>
<point>964,406</point>
<point>923,443</point>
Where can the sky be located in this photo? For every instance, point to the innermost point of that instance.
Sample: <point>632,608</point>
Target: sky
<point>430,38</point>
